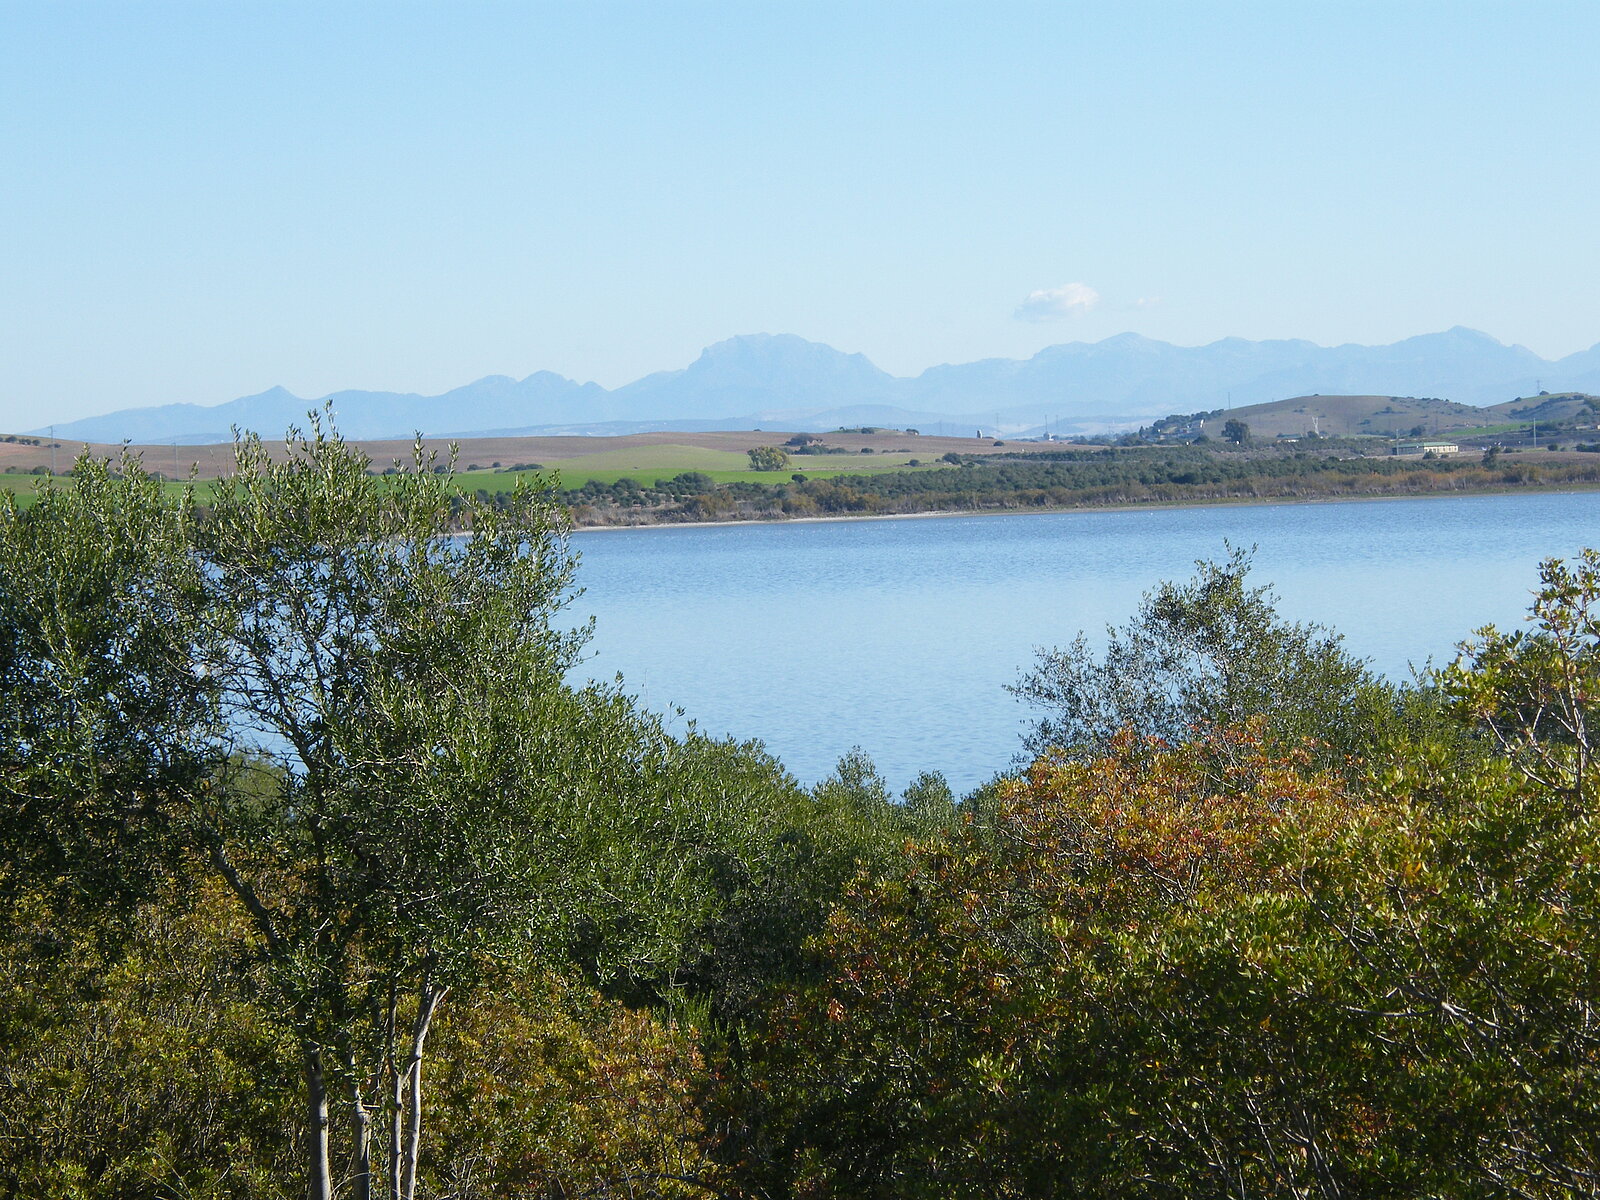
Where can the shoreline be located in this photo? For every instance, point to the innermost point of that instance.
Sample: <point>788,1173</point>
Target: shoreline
<point>1228,502</point>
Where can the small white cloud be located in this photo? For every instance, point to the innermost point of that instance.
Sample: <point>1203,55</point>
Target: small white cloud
<point>1147,301</point>
<point>1052,304</point>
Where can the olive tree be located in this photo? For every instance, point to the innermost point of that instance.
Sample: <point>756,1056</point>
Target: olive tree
<point>99,708</point>
<point>1209,651</point>
<point>768,458</point>
<point>344,695</point>
<point>389,799</point>
<point>1534,692</point>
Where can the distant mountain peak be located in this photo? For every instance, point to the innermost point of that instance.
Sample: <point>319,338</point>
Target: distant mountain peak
<point>1129,338</point>
<point>1458,334</point>
<point>276,392</point>
<point>1117,382</point>
<point>747,347</point>
<point>760,339</point>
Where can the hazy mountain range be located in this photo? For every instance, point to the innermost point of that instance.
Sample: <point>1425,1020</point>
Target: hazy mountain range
<point>781,381</point>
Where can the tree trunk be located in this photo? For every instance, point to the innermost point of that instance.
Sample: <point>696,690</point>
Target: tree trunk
<point>360,1141</point>
<point>389,1077</point>
<point>396,1128</point>
<point>319,1183</point>
<point>427,1004</point>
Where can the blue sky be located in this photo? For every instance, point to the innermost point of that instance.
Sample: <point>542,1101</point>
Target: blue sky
<point>201,200</point>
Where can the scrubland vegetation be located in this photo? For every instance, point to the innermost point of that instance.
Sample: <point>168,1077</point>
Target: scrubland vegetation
<point>859,473</point>
<point>1066,479</point>
<point>318,878</point>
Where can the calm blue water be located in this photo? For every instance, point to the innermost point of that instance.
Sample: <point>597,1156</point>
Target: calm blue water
<point>899,636</point>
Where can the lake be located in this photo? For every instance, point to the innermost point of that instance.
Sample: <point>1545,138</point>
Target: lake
<point>899,636</point>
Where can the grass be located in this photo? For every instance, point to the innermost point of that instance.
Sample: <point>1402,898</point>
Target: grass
<point>650,465</point>
<point>647,467</point>
<point>24,487</point>
<point>647,462</point>
<point>648,458</point>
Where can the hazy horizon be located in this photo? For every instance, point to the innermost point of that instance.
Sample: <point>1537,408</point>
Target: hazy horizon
<point>673,367</point>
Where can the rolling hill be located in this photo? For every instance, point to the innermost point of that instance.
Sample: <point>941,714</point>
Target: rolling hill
<point>1386,416</point>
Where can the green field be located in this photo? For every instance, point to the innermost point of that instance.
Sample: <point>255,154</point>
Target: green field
<point>26,487</point>
<point>19,483</point>
<point>657,464</point>
<point>648,465</point>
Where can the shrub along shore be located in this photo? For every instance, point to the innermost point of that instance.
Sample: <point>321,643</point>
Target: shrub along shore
<point>1109,478</point>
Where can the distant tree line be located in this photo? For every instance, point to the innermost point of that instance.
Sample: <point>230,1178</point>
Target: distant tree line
<point>1060,479</point>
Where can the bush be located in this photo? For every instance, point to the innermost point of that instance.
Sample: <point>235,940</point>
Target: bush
<point>1212,651</point>
<point>768,458</point>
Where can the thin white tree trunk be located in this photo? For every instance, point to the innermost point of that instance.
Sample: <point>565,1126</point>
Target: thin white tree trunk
<point>360,1140</point>
<point>427,1005</point>
<point>319,1184</point>
<point>396,1128</point>
<point>395,1098</point>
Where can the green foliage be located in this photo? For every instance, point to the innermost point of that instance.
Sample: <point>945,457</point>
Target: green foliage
<point>768,458</point>
<point>1200,972</point>
<point>157,1075</point>
<point>1165,474</point>
<point>975,1032</point>
<point>858,796</point>
<point>856,784</point>
<point>1535,693</point>
<point>282,774</point>
<point>1236,431</point>
<point>928,798</point>
<point>1210,651</point>
<point>703,834</point>
<point>771,899</point>
<point>99,702</point>
<point>1210,970</point>
<point>403,681</point>
<point>147,1074</point>
<point>350,715</point>
<point>356,721</point>
<point>589,1099</point>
